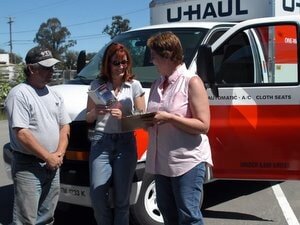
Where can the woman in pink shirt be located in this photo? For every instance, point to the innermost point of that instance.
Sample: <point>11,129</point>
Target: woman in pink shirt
<point>178,147</point>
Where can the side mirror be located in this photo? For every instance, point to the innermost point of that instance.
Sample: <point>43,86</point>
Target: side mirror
<point>81,61</point>
<point>205,68</point>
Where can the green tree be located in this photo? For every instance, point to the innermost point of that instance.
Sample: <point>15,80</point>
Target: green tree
<point>6,85</point>
<point>19,75</point>
<point>118,25</point>
<point>4,89</point>
<point>55,37</point>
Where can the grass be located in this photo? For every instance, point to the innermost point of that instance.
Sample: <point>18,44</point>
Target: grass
<point>2,115</point>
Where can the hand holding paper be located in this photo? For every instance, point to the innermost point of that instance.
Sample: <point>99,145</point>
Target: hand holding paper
<point>139,121</point>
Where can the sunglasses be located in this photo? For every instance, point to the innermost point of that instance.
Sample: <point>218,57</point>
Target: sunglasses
<point>118,63</point>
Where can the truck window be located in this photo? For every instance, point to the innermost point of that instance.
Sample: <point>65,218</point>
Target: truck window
<point>215,35</point>
<point>136,42</point>
<point>262,55</point>
<point>235,59</point>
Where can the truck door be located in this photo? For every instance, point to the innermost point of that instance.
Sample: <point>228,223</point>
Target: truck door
<point>255,120</point>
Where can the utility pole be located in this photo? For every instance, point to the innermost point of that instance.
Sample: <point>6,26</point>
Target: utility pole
<point>10,21</point>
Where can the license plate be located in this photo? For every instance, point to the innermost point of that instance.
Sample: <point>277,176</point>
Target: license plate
<point>78,195</point>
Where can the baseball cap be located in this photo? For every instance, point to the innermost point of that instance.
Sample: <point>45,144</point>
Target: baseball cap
<point>40,55</point>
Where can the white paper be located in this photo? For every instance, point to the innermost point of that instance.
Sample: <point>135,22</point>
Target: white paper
<point>96,97</point>
<point>102,95</point>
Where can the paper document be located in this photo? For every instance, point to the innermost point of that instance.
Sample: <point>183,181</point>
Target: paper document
<point>102,96</point>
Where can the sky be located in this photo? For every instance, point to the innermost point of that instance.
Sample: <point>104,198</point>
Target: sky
<point>85,19</point>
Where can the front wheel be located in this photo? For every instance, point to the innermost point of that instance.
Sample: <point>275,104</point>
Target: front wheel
<point>145,211</point>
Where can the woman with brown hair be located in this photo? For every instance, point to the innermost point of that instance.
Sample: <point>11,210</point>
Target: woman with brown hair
<point>113,153</point>
<point>179,148</point>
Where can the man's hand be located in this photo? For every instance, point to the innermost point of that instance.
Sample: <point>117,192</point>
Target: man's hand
<point>55,160</point>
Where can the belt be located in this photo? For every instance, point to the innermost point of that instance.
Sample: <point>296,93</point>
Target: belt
<point>97,135</point>
<point>27,156</point>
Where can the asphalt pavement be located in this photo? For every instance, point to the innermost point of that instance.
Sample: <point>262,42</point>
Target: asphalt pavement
<point>6,189</point>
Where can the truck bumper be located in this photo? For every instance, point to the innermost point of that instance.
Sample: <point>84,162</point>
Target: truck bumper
<point>75,183</point>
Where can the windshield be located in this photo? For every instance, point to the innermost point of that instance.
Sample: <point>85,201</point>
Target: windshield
<point>136,42</point>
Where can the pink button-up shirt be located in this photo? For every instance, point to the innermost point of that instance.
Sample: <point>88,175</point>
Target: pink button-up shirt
<point>172,151</point>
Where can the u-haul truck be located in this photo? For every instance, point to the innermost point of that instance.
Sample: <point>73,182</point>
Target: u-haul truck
<point>170,11</point>
<point>251,71</point>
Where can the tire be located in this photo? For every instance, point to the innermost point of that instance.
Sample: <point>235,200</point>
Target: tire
<point>145,211</point>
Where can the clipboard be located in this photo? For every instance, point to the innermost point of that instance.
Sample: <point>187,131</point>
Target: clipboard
<point>139,121</point>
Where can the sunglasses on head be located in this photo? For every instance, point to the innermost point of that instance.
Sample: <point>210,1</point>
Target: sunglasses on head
<point>118,63</point>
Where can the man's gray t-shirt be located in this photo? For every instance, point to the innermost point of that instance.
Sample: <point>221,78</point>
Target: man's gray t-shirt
<point>42,111</point>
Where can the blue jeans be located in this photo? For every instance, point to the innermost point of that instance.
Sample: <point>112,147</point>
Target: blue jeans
<point>36,191</point>
<point>178,198</point>
<point>113,159</point>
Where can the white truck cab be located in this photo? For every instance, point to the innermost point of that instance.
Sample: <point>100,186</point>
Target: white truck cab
<point>251,71</point>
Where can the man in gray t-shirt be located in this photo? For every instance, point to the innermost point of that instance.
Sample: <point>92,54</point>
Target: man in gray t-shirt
<point>39,131</point>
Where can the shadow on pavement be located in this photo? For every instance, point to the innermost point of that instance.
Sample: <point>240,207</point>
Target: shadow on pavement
<point>6,204</point>
<point>72,214</point>
<point>65,214</point>
<point>225,190</point>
